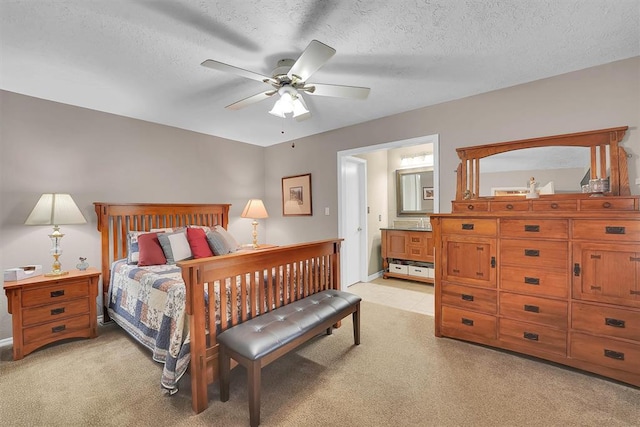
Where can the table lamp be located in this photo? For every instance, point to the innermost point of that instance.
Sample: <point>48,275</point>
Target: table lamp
<point>255,210</point>
<point>55,209</point>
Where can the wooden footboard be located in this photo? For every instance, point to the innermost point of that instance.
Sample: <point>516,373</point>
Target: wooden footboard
<point>245,285</point>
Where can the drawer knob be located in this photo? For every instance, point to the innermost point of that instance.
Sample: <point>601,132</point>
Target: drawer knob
<point>531,280</point>
<point>58,328</point>
<point>530,336</point>
<point>613,354</point>
<point>467,297</point>
<point>467,322</point>
<point>57,311</point>
<point>531,252</point>
<point>532,308</point>
<point>554,206</point>
<point>606,205</point>
<point>616,323</point>
<point>56,294</point>
<point>509,206</point>
<point>470,207</point>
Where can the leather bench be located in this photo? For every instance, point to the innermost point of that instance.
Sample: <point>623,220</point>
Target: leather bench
<point>263,339</point>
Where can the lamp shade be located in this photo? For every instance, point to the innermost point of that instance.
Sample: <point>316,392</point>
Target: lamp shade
<point>254,209</point>
<point>55,209</point>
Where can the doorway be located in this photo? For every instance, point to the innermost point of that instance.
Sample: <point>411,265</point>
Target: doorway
<point>361,235</point>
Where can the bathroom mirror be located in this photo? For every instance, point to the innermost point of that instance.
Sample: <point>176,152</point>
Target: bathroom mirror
<point>414,191</point>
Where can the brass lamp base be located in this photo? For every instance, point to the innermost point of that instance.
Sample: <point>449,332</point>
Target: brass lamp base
<point>56,273</point>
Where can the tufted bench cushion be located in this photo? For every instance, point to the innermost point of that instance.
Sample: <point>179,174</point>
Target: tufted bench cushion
<point>261,340</point>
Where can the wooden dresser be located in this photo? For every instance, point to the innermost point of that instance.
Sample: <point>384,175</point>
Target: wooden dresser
<point>556,277</point>
<point>408,254</point>
<point>48,309</point>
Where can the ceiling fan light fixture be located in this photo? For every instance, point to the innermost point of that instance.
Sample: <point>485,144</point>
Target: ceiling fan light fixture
<point>289,102</point>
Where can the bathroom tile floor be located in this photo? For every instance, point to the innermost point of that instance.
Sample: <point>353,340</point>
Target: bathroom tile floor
<point>402,294</point>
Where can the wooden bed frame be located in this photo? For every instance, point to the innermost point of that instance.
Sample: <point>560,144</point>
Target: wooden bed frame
<point>268,278</point>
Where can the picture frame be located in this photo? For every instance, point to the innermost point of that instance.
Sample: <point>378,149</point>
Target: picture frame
<point>296,195</point>
<point>427,193</point>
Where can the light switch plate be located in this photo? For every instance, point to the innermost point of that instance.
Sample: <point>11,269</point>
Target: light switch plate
<point>637,181</point>
<point>326,211</point>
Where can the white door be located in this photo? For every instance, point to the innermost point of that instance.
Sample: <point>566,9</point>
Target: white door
<point>354,225</point>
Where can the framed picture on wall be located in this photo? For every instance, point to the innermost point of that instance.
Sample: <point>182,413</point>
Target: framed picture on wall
<point>427,193</point>
<point>296,195</point>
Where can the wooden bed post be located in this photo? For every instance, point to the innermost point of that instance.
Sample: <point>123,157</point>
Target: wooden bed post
<point>103,228</point>
<point>195,308</point>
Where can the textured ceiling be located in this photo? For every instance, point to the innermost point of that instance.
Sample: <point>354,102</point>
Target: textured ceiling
<point>142,59</point>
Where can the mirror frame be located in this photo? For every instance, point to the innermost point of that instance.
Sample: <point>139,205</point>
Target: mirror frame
<point>468,172</point>
<point>399,193</point>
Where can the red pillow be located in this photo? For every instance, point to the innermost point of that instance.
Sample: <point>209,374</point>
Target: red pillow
<point>197,239</point>
<point>150,250</point>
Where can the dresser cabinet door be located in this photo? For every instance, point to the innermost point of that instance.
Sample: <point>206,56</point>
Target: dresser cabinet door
<point>469,260</point>
<point>607,273</point>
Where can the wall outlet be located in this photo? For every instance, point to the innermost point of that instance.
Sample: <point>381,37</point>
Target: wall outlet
<point>326,211</point>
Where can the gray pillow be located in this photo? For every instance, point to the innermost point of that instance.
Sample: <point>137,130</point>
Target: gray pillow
<point>217,243</point>
<point>175,246</point>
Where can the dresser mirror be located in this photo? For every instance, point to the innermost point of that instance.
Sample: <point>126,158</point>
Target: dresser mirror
<point>414,191</point>
<point>560,164</point>
<point>561,169</point>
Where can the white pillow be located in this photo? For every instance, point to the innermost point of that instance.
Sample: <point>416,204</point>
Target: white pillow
<point>231,242</point>
<point>175,246</point>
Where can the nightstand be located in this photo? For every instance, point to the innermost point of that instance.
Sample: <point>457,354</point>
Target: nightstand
<point>48,309</point>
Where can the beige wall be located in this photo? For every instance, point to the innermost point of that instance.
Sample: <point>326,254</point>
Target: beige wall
<point>48,147</point>
<point>51,147</point>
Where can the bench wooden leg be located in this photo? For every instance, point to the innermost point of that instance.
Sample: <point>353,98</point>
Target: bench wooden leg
<point>224,369</point>
<point>253,372</point>
<point>329,330</point>
<point>356,325</point>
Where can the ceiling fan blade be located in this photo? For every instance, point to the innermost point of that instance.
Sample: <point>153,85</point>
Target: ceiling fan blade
<point>220,66</point>
<point>251,100</point>
<point>337,91</point>
<point>313,57</point>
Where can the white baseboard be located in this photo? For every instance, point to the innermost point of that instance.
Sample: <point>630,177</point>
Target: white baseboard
<point>6,342</point>
<point>375,276</point>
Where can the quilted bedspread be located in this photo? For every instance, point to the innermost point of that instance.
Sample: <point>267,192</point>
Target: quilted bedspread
<point>149,303</point>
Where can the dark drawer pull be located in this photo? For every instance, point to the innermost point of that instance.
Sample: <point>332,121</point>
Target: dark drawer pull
<point>530,336</point>
<point>634,259</point>
<point>606,205</point>
<point>57,311</point>
<point>467,226</point>
<point>415,240</point>
<point>467,322</point>
<point>470,207</point>
<point>531,252</point>
<point>509,206</point>
<point>531,280</point>
<point>616,323</point>
<point>532,228</point>
<point>614,230</point>
<point>532,308</point>
<point>613,354</point>
<point>467,297</point>
<point>58,328</point>
<point>59,293</point>
<point>493,262</point>
<point>554,206</point>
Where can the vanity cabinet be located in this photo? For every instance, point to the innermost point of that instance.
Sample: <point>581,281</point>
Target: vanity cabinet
<point>408,254</point>
<point>553,276</point>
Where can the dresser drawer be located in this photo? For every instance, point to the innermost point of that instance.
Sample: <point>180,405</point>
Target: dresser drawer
<point>418,271</point>
<point>470,207</point>
<point>52,294</point>
<point>468,325</point>
<point>519,206</point>
<point>398,269</point>
<point>535,253</point>
<point>535,228</point>
<point>606,203</point>
<point>52,331</point>
<point>534,309</point>
<point>604,320</point>
<point>54,312</point>
<point>607,352</point>
<point>470,226</point>
<point>552,283</point>
<point>533,337</point>
<point>550,205</point>
<point>466,297</point>
<point>605,229</point>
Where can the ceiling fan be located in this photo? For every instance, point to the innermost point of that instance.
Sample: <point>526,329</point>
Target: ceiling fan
<point>289,80</point>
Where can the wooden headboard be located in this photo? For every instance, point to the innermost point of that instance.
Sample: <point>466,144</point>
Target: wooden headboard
<point>115,220</point>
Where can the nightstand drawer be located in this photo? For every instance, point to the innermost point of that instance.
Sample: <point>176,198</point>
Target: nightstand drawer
<point>52,294</point>
<point>54,312</point>
<point>56,329</point>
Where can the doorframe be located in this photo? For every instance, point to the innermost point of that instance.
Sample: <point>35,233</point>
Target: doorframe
<point>427,139</point>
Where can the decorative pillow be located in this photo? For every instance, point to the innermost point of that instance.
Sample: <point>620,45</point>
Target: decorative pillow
<point>164,230</point>
<point>231,242</point>
<point>175,246</point>
<point>133,250</point>
<point>217,243</point>
<point>202,227</point>
<point>198,243</point>
<point>150,250</point>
